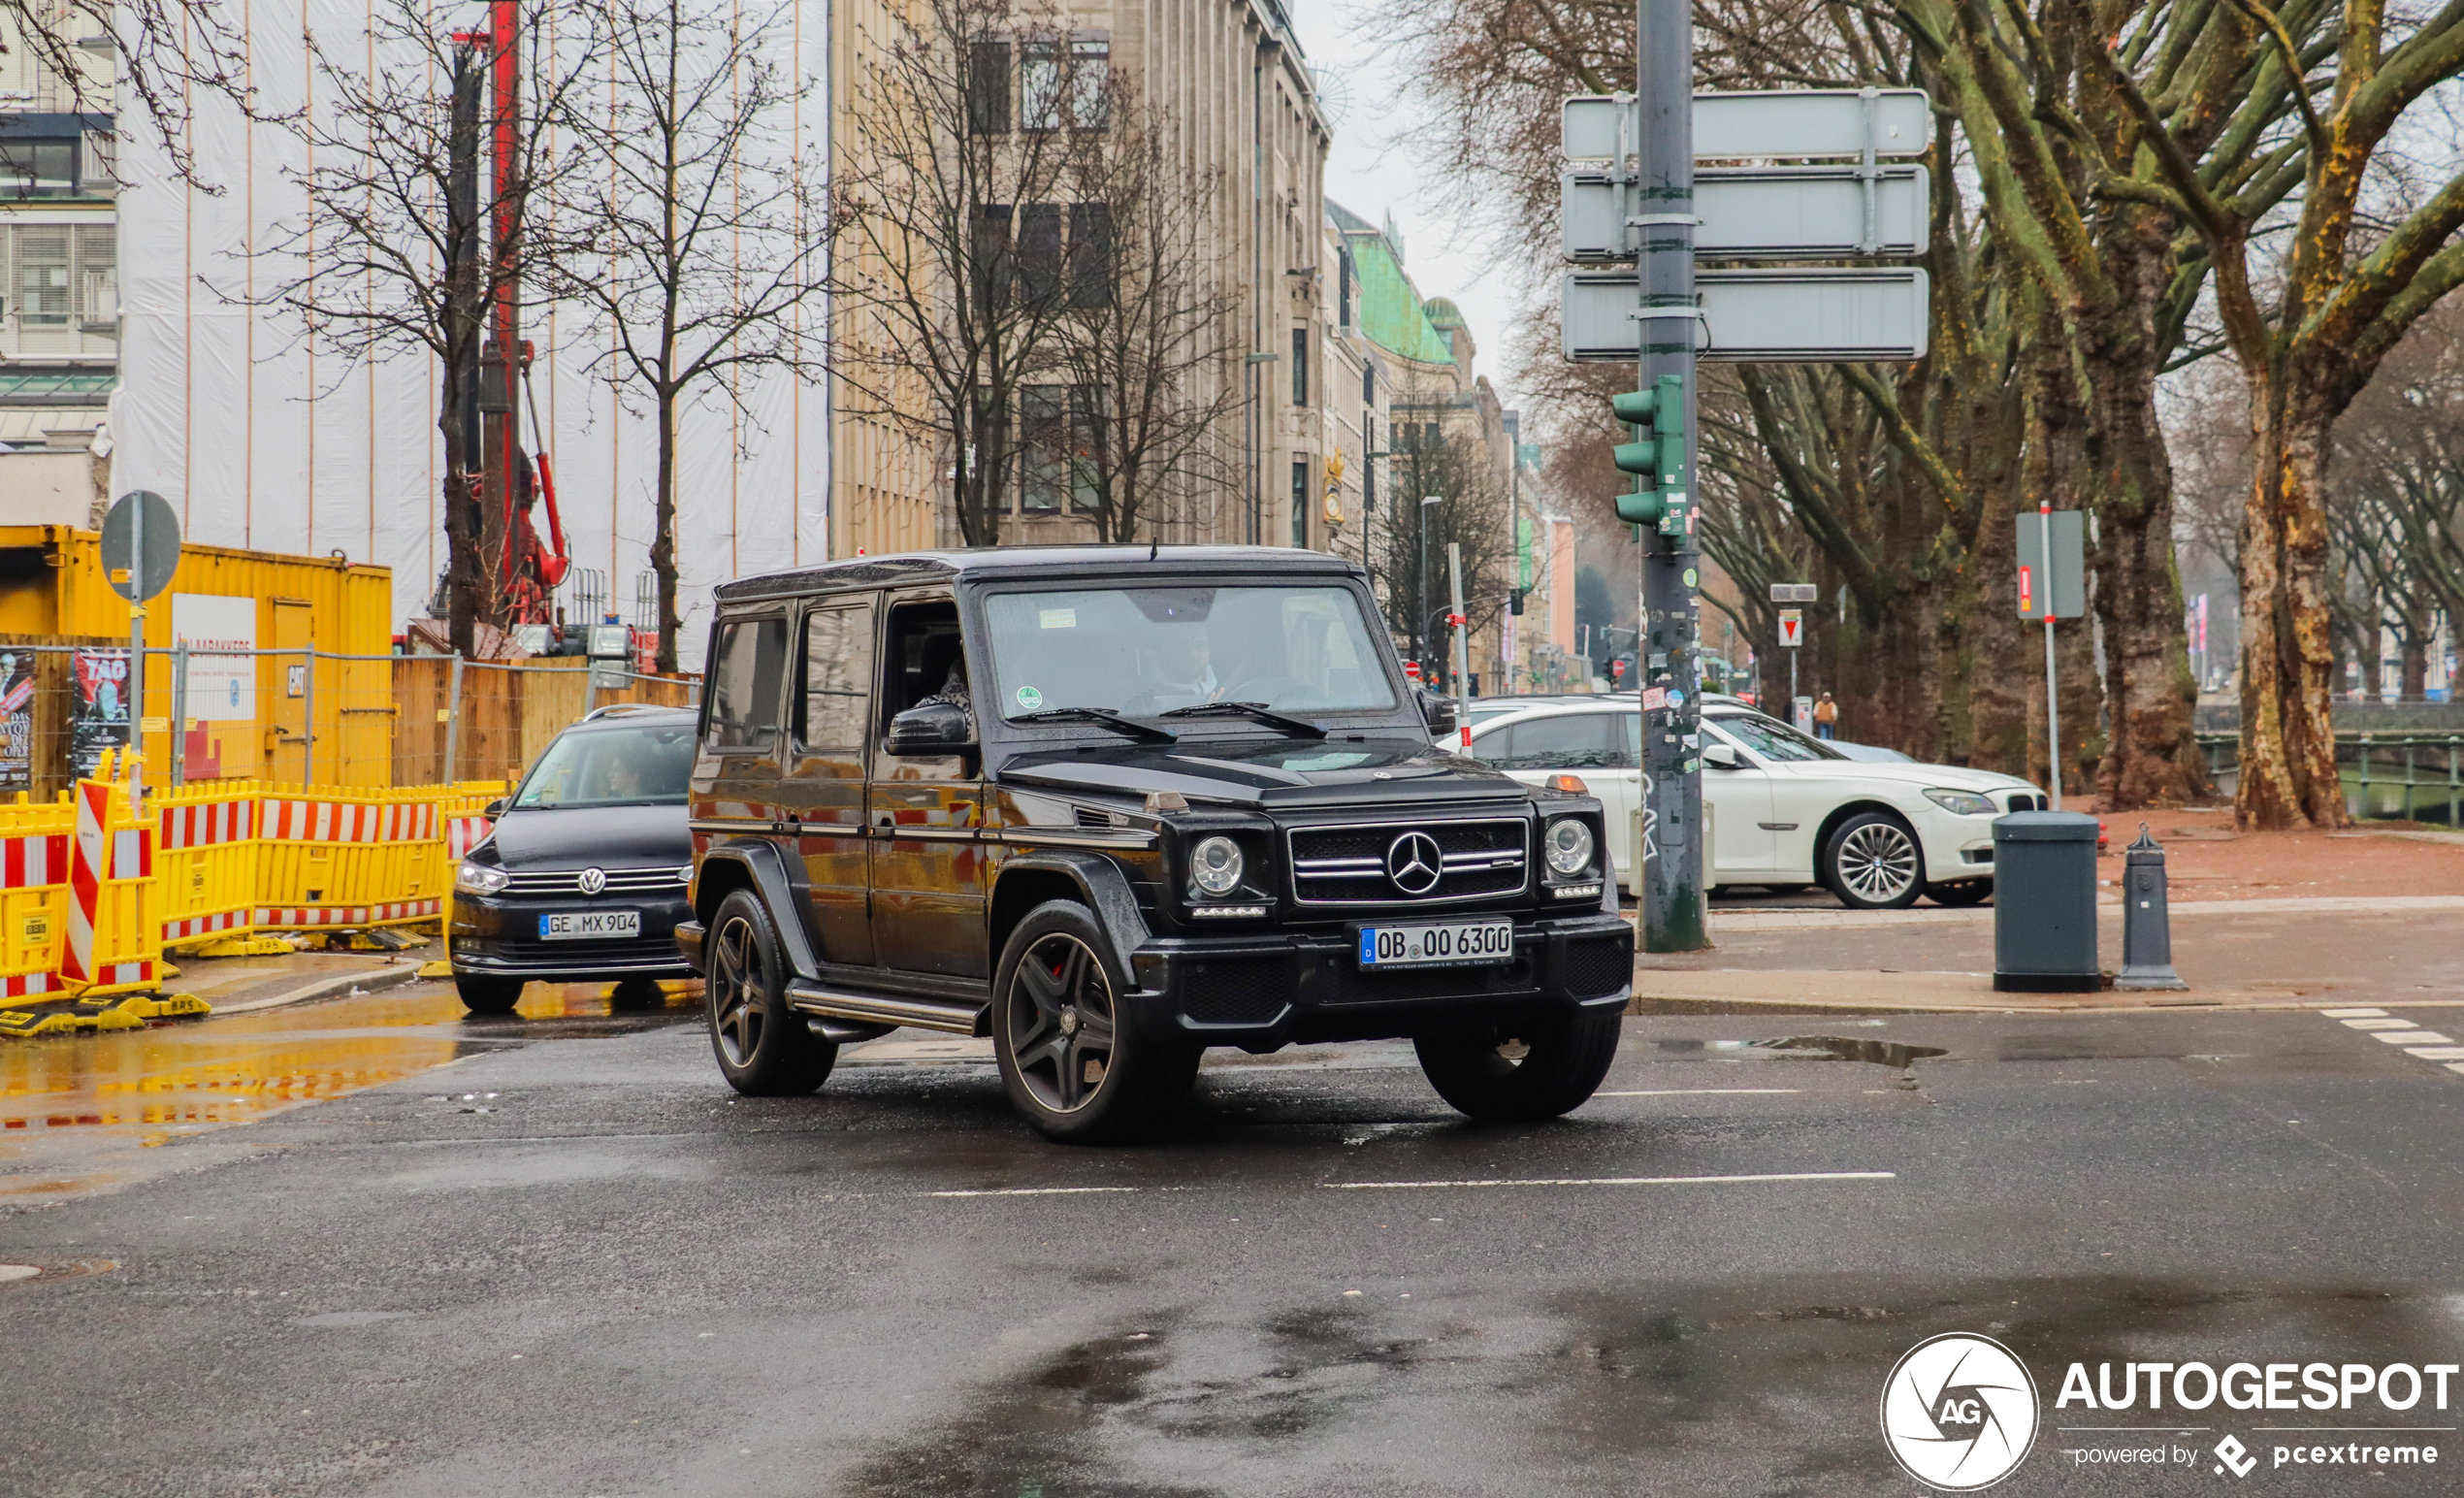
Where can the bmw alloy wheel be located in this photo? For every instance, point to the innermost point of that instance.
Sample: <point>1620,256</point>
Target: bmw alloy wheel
<point>1876,863</point>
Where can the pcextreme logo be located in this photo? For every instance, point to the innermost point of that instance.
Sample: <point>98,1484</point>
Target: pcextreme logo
<point>1958,1413</point>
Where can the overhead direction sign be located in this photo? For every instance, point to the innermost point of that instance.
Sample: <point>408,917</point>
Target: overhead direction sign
<point>1795,593</point>
<point>1762,213</point>
<point>1791,124</point>
<point>1809,315</point>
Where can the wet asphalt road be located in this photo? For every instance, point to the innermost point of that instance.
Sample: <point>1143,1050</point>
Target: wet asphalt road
<point>571,1262</point>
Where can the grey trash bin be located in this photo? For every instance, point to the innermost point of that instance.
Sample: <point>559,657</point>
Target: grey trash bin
<point>2045,903</point>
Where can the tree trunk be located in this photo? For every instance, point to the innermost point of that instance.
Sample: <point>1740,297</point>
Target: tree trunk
<point>2288,747</point>
<point>663,540</point>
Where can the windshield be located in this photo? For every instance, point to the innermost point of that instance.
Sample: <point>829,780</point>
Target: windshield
<point>1772,739</point>
<point>643,766</point>
<point>1146,651</point>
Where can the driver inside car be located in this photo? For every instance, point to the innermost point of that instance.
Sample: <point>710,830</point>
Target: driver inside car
<point>1184,672</point>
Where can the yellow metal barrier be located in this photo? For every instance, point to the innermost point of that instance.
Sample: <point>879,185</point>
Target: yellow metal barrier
<point>206,860</point>
<point>336,860</point>
<point>34,895</point>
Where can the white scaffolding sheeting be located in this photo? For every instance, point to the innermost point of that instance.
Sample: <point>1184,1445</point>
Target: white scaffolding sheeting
<point>262,437</point>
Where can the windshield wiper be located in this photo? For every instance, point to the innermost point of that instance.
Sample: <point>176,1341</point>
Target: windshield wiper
<point>1255,713</point>
<point>1101,718</point>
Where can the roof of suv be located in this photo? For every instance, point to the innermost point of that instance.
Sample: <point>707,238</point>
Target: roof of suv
<point>1108,561</point>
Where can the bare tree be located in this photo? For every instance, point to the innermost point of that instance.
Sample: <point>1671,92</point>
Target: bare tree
<point>952,281</point>
<point>1448,462</point>
<point>689,228</point>
<point>393,255</point>
<point>168,52</point>
<point>1149,346</point>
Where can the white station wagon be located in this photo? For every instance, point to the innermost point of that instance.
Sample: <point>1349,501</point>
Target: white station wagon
<point>1781,810</point>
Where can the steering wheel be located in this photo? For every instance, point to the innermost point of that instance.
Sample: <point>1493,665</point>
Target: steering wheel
<point>1264,688</point>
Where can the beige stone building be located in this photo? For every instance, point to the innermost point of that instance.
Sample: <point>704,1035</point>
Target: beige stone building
<point>1237,105</point>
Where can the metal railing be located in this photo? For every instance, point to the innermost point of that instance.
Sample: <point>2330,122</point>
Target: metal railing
<point>2388,778</point>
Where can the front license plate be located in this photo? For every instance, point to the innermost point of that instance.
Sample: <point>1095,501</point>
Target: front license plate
<point>590,925</point>
<point>1452,944</point>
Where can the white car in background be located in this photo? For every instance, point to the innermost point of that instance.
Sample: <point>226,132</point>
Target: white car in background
<point>1781,810</point>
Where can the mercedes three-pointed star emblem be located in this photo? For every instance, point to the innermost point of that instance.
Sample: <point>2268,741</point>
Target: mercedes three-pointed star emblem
<point>1414,863</point>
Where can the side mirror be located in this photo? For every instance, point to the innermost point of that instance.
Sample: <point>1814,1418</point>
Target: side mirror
<point>1436,710</point>
<point>1721,756</point>
<point>934,727</point>
<point>494,810</point>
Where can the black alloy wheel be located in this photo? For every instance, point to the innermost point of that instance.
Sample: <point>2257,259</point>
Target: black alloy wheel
<point>487,995</point>
<point>1873,863</point>
<point>1528,1069</point>
<point>1068,1057</point>
<point>764,1047</point>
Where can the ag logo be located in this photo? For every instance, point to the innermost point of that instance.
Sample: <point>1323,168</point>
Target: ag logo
<point>1958,1413</point>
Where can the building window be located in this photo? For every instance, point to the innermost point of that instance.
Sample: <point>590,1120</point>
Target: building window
<point>1300,365</point>
<point>1041,86</point>
<point>38,168</point>
<point>43,281</point>
<point>1342,289</point>
<point>1044,457</point>
<point>994,269</point>
<point>1085,488</point>
<point>1039,251</point>
<point>987,87</point>
<point>1369,386</point>
<point>1300,502</point>
<point>1090,255</point>
<point>1091,80</point>
<point>1367,465</point>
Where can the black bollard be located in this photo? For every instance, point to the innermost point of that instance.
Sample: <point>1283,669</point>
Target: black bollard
<point>2146,923</point>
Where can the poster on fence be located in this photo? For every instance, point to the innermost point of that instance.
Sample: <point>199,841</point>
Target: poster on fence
<point>17,721</point>
<point>101,720</point>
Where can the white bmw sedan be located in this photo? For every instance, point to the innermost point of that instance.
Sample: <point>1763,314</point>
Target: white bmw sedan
<point>1781,810</point>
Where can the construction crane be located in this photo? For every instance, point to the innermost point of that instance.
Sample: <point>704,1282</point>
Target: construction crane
<point>508,481</point>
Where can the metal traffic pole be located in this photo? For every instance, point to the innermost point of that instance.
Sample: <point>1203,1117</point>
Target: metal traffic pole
<point>1462,647</point>
<point>1663,224</point>
<point>2052,697</point>
<point>178,713</point>
<point>136,656</point>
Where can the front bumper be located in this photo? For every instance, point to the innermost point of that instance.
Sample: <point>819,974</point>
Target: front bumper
<point>1277,987</point>
<point>495,937</point>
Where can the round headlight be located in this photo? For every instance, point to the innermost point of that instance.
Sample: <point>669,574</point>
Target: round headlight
<point>478,879</point>
<point>1569,846</point>
<point>1214,866</point>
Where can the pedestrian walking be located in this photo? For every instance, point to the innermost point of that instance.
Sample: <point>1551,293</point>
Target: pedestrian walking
<point>1826,718</point>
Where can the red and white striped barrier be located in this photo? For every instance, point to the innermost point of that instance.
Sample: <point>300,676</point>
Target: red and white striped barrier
<point>89,867</point>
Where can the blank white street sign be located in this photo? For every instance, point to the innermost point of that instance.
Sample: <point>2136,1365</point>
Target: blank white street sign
<point>1761,213</point>
<point>1811,315</point>
<point>1785,124</point>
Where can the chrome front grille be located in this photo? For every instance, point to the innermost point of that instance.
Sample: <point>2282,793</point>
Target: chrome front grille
<point>1349,865</point>
<point>620,881</point>
<point>2024,800</point>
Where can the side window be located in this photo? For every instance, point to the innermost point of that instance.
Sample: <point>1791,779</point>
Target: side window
<point>1633,740</point>
<point>1495,747</point>
<point>746,674</point>
<point>838,678</point>
<point>1578,740</point>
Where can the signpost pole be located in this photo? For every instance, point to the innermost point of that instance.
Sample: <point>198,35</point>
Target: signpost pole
<point>137,658</point>
<point>1461,645</point>
<point>178,711</point>
<point>1663,225</point>
<point>2053,696</point>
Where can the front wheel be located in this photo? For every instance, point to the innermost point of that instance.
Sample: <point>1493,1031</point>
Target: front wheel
<point>488,995</point>
<point>1070,1059</point>
<point>1873,863</point>
<point>764,1047</point>
<point>1966,891</point>
<point>1522,1070</point>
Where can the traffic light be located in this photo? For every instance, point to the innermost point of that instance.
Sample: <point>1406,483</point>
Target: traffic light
<point>1515,603</point>
<point>1656,457</point>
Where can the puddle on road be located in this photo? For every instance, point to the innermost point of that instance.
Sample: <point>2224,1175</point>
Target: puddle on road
<point>75,1111</point>
<point>1895,1054</point>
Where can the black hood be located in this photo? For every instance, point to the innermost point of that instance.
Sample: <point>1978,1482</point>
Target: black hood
<point>595,836</point>
<point>1280,772</point>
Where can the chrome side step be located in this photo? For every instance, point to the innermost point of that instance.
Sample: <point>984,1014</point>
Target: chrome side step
<point>961,1018</point>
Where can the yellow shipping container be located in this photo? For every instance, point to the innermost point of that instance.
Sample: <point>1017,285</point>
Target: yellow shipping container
<point>275,718</point>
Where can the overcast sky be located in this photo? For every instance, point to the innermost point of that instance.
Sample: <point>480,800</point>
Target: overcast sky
<point>1374,170</point>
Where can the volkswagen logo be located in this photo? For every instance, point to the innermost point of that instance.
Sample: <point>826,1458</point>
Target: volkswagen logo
<point>592,881</point>
<point>1414,863</point>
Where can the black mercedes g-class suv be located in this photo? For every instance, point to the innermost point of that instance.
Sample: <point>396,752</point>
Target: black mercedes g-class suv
<point>1113,805</point>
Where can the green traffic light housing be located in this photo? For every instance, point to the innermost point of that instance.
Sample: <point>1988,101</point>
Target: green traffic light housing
<point>1657,455</point>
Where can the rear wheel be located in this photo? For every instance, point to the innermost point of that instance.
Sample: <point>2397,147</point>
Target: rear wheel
<point>764,1047</point>
<point>1069,1057</point>
<point>488,995</point>
<point>1873,863</point>
<point>1524,1069</point>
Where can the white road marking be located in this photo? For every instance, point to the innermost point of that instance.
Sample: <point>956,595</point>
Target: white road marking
<point>2428,1045</point>
<point>2355,1014</point>
<point>1043,1190</point>
<point>2438,1053</point>
<point>2415,1037</point>
<point>1806,1175</point>
<point>1700,1091</point>
<point>2379,1024</point>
